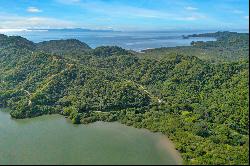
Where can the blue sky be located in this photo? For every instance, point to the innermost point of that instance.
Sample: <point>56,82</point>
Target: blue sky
<point>125,14</point>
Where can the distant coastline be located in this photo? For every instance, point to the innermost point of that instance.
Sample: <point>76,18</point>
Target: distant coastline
<point>112,30</point>
<point>59,29</point>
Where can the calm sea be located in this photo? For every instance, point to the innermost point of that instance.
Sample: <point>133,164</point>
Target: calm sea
<point>53,140</point>
<point>129,40</point>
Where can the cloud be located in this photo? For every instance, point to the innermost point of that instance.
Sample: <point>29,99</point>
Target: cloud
<point>134,12</point>
<point>12,30</point>
<point>246,17</point>
<point>105,14</point>
<point>33,10</point>
<point>114,11</point>
<point>22,22</point>
<point>237,11</point>
<point>68,1</point>
<point>191,18</point>
<point>191,8</point>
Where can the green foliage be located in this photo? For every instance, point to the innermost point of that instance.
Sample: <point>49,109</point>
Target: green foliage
<point>105,51</point>
<point>201,106</point>
<point>70,46</point>
<point>230,46</point>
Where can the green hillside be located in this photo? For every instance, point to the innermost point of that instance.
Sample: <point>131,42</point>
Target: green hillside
<point>196,95</point>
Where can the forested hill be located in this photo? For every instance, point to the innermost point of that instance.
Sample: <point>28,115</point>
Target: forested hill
<point>229,46</point>
<point>201,106</point>
<point>15,42</point>
<point>69,46</point>
<point>221,35</point>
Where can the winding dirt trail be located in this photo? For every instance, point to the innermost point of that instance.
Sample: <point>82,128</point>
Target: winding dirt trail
<point>29,94</point>
<point>153,97</point>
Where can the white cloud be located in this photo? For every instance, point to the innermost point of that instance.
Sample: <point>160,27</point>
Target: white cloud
<point>69,1</point>
<point>119,11</point>
<point>107,11</point>
<point>189,18</point>
<point>131,12</point>
<point>33,10</point>
<point>12,30</point>
<point>21,22</point>
<point>192,17</point>
<point>246,17</point>
<point>237,11</point>
<point>191,8</point>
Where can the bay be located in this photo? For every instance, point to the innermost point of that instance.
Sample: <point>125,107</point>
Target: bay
<point>52,139</point>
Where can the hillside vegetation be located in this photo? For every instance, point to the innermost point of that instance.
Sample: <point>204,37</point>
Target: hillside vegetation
<point>229,47</point>
<point>200,101</point>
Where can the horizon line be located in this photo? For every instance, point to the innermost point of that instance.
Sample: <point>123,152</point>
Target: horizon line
<point>89,29</point>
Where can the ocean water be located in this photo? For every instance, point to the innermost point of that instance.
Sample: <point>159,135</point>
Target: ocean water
<point>53,140</point>
<point>136,41</point>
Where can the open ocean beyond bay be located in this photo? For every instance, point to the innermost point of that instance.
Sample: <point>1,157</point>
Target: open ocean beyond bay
<point>136,41</point>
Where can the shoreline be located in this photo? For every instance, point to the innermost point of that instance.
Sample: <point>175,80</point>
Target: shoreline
<point>163,143</point>
<point>170,147</point>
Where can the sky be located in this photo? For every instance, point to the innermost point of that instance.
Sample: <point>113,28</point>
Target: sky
<point>125,14</point>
